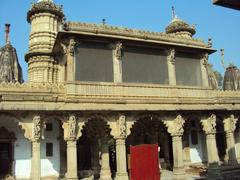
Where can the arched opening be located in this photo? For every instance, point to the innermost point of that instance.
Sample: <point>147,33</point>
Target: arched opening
<point>221,140</point>
<point>95,142</point>
<point>149,129</point>
<point>7,139</point>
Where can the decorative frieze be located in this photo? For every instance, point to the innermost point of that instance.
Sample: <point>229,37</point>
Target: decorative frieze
<point>209,124</point>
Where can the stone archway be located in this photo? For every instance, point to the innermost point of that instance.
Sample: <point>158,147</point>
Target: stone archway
<point>149,129</point>
<point>96,149</point>
<point>7,139</point>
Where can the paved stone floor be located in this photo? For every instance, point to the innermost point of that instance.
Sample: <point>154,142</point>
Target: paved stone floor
<point>167,175</point>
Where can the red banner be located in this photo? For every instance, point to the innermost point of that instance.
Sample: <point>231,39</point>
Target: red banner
<point>144,162</point>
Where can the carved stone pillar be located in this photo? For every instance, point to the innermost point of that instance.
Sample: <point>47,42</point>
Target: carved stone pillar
<point>209,127</point>
<point>36,149</point>
<point>121,149</point>
<point>171,67</point>
<point>229,128</point>
<point>68,48</point>
<point>117,62</point>
<point>204,63</point>
<point>237,138</point>
<point>105,173</point>
<point>70,136</point>
<point>175,128</point>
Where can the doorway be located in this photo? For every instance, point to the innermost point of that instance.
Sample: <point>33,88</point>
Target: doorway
<point>6,158</point>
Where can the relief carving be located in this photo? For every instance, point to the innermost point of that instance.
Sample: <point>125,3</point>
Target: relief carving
<point>122,126</point>
<point>68,47</point>
<point>36,128</point>
<point>209,124</point>
<point>175,127</point>
<point>204,59</point>
<point>118,50</point>
<point>72,126</point>
<point>230,124</point>
<point>171,55</point>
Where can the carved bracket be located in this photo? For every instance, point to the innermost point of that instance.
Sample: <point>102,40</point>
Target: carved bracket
<point>68,46</point>
<point>70,128</point>
<point>118,50</point>
<point>171,55</point>
<point>209,124</point>
<point>122,126</point>
<point>204,60</point>
<point>175,127</point>
<point>230,124</point>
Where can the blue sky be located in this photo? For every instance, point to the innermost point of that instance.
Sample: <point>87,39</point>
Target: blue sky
<point>221,24</point>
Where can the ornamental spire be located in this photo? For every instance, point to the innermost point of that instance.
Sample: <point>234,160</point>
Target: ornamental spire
<point>173,13</point>
<point>45,0</point>
<point>7,31</point>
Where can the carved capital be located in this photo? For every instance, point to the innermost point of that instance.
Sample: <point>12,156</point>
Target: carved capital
<point>209,124</point>
<point>37,128</point>
<point>175,127</point>
<point>171,55</point>
<point>230,124</point>
<point>118,50</point>
<point>122,126</point>
<point>68,46</point>
<point>70,128</point>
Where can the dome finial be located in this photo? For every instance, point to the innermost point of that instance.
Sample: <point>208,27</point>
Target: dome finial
<point>45,0</point>
<point>173,13</point>
<point>7,31</point>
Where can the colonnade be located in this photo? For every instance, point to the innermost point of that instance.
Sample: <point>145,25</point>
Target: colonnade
<point>174,125</point>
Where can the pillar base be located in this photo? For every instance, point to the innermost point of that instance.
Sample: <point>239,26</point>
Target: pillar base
<point>105,174</point>
<point>122,176</point>
<point>67,177</point>
<point>179,173</point>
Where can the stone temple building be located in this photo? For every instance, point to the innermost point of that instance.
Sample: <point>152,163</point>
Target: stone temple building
<point>95,90</point>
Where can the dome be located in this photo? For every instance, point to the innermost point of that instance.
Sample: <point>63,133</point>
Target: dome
<point>10,70</point>
<point>231,78</point>
<point>179,26</point>
<point>45,6</point>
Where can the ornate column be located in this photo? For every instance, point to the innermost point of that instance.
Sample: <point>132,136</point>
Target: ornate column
<point>105,173</point>
<point>204,63</point>
<point>68,48</point>
<point>209,127</point>
<point>121,149</point>
<point>175,128</point>
<point>70,135</point>
<point>36,149</point>
<point>229,128</point>
<point>171,67</point>
<point>117,62</point>
<point>237,139</point>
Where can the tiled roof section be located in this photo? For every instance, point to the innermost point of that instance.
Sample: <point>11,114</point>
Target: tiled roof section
<point>123,32</point>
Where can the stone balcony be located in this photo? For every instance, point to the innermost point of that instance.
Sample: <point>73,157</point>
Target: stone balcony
<point>114,96</point>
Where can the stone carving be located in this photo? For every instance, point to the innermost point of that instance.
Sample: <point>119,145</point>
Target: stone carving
<point>36,128</point>
<point>171,56</point>
<point>118,50</point>
<point>68,47</point>
<point>230,124</point>
<point>175,127</point>
<point>209,124</point>
<point>204,59</point>
<point>122,126</point>
<point>72,126</point>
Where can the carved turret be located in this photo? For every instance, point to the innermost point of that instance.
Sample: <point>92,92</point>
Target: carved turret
<point>45,18</point>
<point>10,70</point>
